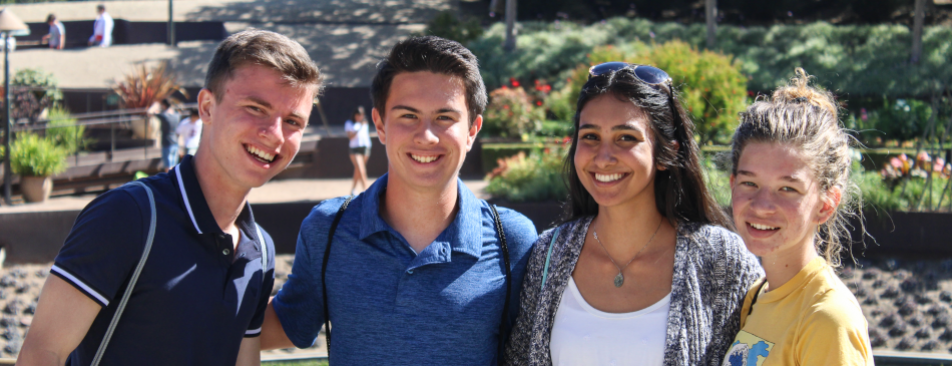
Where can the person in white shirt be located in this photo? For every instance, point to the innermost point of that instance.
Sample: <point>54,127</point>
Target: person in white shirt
<point>190,129</point>
<point>358,131</point>
<point>102,29</point>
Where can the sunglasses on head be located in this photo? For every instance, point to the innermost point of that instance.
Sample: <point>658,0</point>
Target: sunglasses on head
<point>649,74</point>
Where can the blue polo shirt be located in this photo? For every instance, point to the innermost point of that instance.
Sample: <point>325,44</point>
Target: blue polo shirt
<point>392,306</point>
<point>196,297</point>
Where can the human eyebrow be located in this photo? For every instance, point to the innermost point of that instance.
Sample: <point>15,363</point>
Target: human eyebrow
<point>447,110</point>
<point>260,101</point>
<point>408,108</point>
<point>746,173</point>
<point>588,126</point>
<point>626,127</point>
<point>792,179</point>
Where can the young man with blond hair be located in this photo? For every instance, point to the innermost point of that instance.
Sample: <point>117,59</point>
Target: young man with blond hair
<point>202,293</point>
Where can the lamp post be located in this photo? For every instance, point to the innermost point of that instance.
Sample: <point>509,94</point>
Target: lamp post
<point>8,22</point>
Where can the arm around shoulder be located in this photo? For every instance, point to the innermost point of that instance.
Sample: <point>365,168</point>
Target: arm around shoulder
<point>296,314</point>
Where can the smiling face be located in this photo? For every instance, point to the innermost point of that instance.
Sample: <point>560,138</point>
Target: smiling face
<point>777,202</point>
<point>614,158</point>
<point>255,130</point>
<point>426,130</point>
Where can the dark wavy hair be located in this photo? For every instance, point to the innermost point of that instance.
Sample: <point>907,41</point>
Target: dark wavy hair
<point>680,192</point>
<point>436,55</point>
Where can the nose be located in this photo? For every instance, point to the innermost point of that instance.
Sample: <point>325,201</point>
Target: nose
<point>425,134</point>
<point>604,155</point>
<point>272,131</point>
<point>762,201</point>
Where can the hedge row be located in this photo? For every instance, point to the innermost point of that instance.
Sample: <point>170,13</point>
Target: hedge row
<point>856,60</point>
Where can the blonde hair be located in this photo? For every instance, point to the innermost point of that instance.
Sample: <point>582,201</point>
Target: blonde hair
<point>805,117</point>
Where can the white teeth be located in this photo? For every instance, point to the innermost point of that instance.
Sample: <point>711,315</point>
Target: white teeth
<point>424,159</point>
<point>763,227</point>
<point>260,154</point>
<point>608,177</point>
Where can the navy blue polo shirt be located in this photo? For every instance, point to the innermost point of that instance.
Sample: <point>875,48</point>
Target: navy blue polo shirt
<point>392,306</point>
<point>196,297</point>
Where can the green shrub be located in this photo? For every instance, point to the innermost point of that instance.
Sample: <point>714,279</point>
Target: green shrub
<point>854,60</point>
<point>494,154</point>
<point>446,25</point>
<point>511,113</point>
<point>717,180</point>
<point>711,85</point>
<point>45,83</point>
<point>33,155</point>
<point>532,178</point>
<point>71,137</point>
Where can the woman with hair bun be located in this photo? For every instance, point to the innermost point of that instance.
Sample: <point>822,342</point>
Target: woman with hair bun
<point>791,197</point>
<point>644,270</point>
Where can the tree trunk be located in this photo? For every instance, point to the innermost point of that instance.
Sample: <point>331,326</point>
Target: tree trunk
<point>710,14</point>
<point>920,15</point>
<point>510,26</point>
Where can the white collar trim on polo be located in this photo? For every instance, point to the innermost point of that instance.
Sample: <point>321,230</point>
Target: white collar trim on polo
<point>188,206</point>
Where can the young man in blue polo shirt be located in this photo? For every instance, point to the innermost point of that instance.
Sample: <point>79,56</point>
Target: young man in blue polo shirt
<point>416,274</point>
<point>201,296</point>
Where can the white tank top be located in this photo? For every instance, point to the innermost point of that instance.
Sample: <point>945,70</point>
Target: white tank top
<point>583,335</point>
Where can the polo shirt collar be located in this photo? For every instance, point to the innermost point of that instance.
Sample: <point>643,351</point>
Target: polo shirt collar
<point>196,207</point>
<point>464,234</point>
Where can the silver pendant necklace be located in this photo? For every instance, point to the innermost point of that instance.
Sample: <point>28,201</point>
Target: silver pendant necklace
<point>620,278</point>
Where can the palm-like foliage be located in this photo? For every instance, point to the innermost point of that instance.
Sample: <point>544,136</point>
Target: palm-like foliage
<point>145,86</point>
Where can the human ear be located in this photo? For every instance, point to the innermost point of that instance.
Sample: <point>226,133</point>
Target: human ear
<point>473,130</point>
<point>829,204</point>
<point>206,102</point>
<point>378,124</point>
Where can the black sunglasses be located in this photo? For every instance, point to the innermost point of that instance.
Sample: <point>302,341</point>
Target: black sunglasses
<point>649,74</point>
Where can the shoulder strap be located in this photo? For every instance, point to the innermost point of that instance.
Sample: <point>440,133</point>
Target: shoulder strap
<point>505,257</point>
<point>753,300</point>
<point>548,256</point>
<point>327,255</point>
<point>132,280</point>
<point>264,251</point>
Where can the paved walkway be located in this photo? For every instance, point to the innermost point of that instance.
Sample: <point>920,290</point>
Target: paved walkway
<point>290,190</point>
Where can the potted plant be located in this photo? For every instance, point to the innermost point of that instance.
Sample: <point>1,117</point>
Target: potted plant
<point>36,160</point>
<point>142,89</point>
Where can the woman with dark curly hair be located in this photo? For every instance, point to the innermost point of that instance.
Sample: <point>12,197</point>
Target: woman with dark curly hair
<point>643,271</point>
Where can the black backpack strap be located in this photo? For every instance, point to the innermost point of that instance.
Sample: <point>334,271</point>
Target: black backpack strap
<point>756,294</point>
<point>327,255</point>
<point>505,258</point>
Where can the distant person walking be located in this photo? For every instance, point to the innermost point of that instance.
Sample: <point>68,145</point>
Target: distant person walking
<point>358,131</point>
<point>169,121</point>
<point>190,128</point>
<point>102,29</point>
<point>57,35</point>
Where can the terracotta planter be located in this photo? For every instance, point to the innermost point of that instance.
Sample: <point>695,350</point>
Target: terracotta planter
<point>36,189</point>
<point>146,128</point>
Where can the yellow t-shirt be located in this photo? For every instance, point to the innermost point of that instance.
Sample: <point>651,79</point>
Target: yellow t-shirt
<point>811,320</point>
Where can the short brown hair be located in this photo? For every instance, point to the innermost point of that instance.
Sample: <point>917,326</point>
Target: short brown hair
<point>51,18</point>
<point>265,48</point>
<point>436,55</point>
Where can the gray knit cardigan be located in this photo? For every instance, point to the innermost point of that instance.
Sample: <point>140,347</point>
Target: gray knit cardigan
<point>712,273</point>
